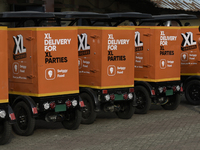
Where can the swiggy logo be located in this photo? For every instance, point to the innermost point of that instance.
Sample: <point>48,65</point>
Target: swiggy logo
<point>50,74</point>
<point>15,68</point>
<point>111,70</point>
<point>184,56</point>
<point>163,64</point>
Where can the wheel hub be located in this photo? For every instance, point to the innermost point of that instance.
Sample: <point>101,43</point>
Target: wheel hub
<point>86,111</point>
<point>22,119</point>
<point>194,92</point>
<point>140,102</point>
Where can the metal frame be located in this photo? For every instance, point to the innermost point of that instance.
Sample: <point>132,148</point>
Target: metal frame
<point>169,17</point>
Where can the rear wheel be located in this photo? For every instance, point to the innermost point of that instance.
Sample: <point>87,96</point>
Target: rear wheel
<point>88,115</point>
<point>143,100</point>
<point>192,92</point>
<point>73,121</point>
<point>25,122</point>
<point>5,131</point>
<point>173,102</point>
<point>127,110</point>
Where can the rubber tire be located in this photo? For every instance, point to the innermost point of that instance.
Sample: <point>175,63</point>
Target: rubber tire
<point>73,124</point>
<point>172,104</point>
<point>146,95</point>
<point>89,103</point>
<point>187,95</point>
<point>5,132</point>
<point>29,128</point>
<point>128,112</point>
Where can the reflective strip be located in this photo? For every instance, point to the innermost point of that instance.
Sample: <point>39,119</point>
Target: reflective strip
<point>107,28</point>
<point>4,100</point>
<point>189,27</point>
<point>34,110</point>
<point>157,80</point>
<point>81,103</point>
<point>107,87</point>
<point>190,74</point>
<point>42,28</point>
<point>12,116</point>
<point>156,27</point>
<point>3,28</point>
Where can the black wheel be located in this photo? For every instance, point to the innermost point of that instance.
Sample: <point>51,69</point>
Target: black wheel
<point>25,122</point>
<point>88,115</point>
<point>127,110</point>
<point>192,92</point>
<point>143,100</point>
<point>73,121</point>
<point>5,132</point>
<point>173,102</point>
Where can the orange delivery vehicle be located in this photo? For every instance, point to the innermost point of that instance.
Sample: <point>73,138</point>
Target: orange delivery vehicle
<point>157,65</point>
<point>43,71</point>
<point>7,116</point>
<point>106,66</point>
<point>189,57</point>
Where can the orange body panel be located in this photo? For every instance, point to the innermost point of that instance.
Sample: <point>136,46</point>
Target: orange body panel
<point>106,57</point>
<point>43,61</point>
<point>157,54</point>
<point>4,65</point>
<point>190,53</point>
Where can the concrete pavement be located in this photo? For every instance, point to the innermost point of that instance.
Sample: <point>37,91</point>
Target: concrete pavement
<point>159,129</point>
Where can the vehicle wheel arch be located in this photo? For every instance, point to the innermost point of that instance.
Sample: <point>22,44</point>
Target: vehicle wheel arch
<point>92,94</point>
<point>28,100</point>
<point>190,79</point>
<point>146,85</point>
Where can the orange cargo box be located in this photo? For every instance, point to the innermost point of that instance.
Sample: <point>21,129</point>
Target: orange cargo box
<point>190,54</point>
<point>157,54</point>
<point>106,57</point>
<point>4,65</point>
<point>43,61</point>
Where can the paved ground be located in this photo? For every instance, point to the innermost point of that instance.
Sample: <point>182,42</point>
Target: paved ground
<point>158,130</point>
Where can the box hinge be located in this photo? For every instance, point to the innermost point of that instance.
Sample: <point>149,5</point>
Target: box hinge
<point>30,38</point>
<point>94,36</point>
<point>147,34</point>
<point>30,76</point>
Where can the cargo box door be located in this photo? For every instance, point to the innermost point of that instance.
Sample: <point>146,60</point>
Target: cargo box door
<point>89,53</point>
<point>20,56</point>
<point>118,58</point>
<point>167,53</point>
<point>142,52</point>
<point>190,54</point>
